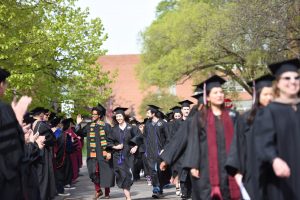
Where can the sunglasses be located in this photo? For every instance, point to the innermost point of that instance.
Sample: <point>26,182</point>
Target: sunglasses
<point>288,78</point>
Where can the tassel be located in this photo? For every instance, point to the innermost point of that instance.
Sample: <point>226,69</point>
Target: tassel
<point>254,93</point>
<point>204,94</point>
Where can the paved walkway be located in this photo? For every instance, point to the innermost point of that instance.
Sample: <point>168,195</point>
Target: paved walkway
<point>139,191</point>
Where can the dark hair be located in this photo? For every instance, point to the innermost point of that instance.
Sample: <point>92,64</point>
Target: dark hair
<point>67,123</point>
<point>255,107</point>
<point>115,122</point>
<point>99,112</point>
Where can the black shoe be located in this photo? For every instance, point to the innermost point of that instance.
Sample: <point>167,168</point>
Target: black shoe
<point>156,195</point>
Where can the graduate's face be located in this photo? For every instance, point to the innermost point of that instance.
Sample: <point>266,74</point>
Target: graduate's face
<point>216,96</point>
<point>185,111</point>
<point>46,117</point>
<point>289,84</point>
<point>177,116</point>
<point>120,118</point>
<point>266,96</point>
<point>95,115</point>
<point>149,114</point>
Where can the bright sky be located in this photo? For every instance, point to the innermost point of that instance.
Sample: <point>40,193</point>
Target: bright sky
<point>123,21</point>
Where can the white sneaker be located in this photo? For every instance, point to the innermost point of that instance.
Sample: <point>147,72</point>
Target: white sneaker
<point>69,187</point>
<point>64,194</point>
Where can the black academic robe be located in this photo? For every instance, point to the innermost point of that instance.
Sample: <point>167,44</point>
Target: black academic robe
<point>242,157</point>
<point>123,160</point>
<point>45,168</point>
<point>63,165</point>
<point>277,134</point>
<point>105,177</point>
<point>30,179</point>
<point>156,136</point>
<point>11,154</point>
<point>175,148</point>
<point>197,157</point>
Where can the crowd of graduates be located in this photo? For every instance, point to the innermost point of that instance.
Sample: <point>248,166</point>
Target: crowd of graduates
<point>208,151</point>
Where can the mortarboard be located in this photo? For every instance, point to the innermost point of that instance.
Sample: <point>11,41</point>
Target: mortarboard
<point>176,109</point>
<point>185,103</point>
<point>170,115</point>
<point>278,68</point>
<point>120,110</point>
<point>199,97</point>
<point>214,81</point>
<point>263,81</point>
<point>37,111</point>
<point>259,83</point>
<point>3,74</point>
<point>100,109</point>
<point>153,108</point>
<point>160,114</point>
<point>210,83</point>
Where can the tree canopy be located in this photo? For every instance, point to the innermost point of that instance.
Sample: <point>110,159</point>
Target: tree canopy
<point>163,100</point>
<point>50,48</point>
<point>193,38</point>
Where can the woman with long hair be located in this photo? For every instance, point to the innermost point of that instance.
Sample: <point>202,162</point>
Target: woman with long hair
<point>242,163</point>
<point>210,136</point>
<point>277,135</point>
<point>123,142</point>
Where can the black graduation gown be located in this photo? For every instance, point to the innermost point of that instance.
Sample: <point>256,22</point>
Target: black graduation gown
<point>106,176</point>
<point>174,150</point>
<point>29,176</point>
<point>277,134</point>
<point>242,157</point>
<point>156,136</point>
<point>45,167</point>
<point>63,171</point>
<point>123,160</point>
<point>197,157</point>
<point>11,154</point>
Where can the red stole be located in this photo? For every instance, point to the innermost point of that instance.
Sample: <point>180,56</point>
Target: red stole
<point>213,154</point>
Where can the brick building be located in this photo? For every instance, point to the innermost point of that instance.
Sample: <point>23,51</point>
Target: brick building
<point>126,90</point>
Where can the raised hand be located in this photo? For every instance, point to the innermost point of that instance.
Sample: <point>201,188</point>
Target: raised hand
<point>20,107</point>
<point>79,119</point>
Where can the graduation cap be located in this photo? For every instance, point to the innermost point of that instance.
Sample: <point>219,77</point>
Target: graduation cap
<point>279,68</point>
<point>175,109</point>
<point>37,111</point>
<point>210,83</point>
<point>169,115</point>
<point>120,110</point>
<point>161,115</point>
<point>153,108</point>
<point>261,82</point>
<point>4,74</point>
<point>185,103</point>
<point>199,97</point>
<point>100,109</point>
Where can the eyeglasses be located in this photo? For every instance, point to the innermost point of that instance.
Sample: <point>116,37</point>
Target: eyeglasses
<point>94,114</point>
<point>289,78</point>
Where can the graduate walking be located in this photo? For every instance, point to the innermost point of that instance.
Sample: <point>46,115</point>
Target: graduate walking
<point>99,162</point>
<point>277,137</point>
<point>210,136</point>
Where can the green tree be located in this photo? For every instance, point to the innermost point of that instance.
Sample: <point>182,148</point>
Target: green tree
<point>236,38</point>
<point>51,47</point>
<point>163,100</point>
